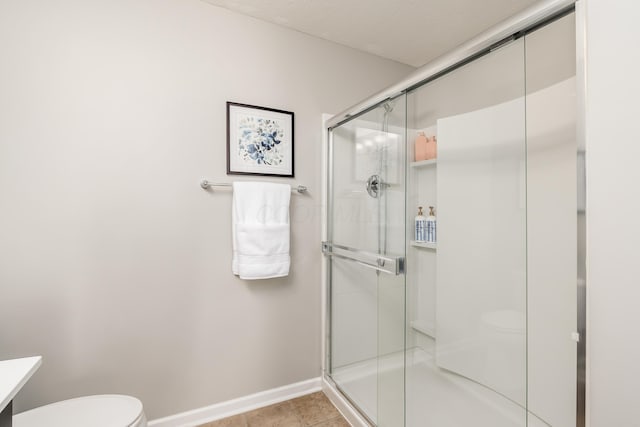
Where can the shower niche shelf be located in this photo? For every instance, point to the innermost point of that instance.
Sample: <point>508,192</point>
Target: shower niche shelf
<point>423,163</point>
<point>423,245</point>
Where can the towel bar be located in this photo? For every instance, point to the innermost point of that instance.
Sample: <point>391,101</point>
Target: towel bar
<point>206,185</point>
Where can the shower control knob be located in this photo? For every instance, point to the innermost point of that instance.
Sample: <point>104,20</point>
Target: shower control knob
<point>373,186</point>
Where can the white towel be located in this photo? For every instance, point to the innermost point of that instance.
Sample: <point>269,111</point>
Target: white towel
<point>260,227</point>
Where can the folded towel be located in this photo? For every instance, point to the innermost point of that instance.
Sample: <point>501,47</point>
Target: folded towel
<point>260,229</point>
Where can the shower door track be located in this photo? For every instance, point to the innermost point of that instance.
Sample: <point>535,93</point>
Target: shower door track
<point>346,397</point>
<point>517,26</point>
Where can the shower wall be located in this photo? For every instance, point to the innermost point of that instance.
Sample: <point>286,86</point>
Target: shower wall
<point>613,229</point>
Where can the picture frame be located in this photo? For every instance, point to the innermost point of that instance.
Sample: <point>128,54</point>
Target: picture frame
<point>260,141</point>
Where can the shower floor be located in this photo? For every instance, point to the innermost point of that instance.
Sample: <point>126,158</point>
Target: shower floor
<point>434,397</point>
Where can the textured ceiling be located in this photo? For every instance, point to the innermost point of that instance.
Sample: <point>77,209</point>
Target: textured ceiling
<point>409,31</point>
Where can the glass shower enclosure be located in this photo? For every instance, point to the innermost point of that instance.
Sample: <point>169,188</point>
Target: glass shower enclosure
<point>478,327</point>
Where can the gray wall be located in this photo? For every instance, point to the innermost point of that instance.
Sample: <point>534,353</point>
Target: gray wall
<point>114,264</point>
<point>613,206</point>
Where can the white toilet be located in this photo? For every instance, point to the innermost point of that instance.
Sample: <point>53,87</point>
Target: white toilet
<point>107,410</point>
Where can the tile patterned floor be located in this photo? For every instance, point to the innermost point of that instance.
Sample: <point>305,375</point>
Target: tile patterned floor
<point>306,411</point>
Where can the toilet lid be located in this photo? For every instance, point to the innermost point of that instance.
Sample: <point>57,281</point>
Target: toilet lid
<point>109,410</point>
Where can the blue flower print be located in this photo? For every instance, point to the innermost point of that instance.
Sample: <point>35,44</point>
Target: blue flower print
<point>259,141</point>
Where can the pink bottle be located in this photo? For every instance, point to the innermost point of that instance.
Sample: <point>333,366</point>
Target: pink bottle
<point>421,147</point>
<point>432,148</point>
<point>425,147</point>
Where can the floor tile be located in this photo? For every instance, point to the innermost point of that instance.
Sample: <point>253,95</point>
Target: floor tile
<point>279,415</point>
<point>235,421</point>
<point>314,408</point>
<point>336,422</point>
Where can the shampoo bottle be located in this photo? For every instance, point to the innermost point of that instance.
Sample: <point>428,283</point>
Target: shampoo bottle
<point>431,226</point>
<point>421,226</point>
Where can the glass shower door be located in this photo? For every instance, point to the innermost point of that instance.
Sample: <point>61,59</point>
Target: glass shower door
<point>467,341</point>
<point>366,245</point>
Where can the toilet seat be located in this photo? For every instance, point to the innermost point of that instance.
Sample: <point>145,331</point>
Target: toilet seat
<point>108,410</point>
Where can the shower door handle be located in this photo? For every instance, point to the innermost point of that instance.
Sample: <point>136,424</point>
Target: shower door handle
<point>384,263</point>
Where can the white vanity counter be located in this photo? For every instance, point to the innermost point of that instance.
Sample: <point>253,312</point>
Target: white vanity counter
<point>14,373</point>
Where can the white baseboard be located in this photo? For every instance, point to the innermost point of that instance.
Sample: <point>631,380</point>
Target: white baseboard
<point>238,406</point>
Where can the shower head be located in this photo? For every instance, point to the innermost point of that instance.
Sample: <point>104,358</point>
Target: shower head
<point>388,106</point>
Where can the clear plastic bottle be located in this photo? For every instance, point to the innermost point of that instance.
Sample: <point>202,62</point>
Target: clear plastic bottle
<point>430,226</point>
<point>421,226</point>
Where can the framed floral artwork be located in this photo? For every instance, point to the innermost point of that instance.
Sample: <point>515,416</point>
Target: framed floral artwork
<point>259,140</point>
